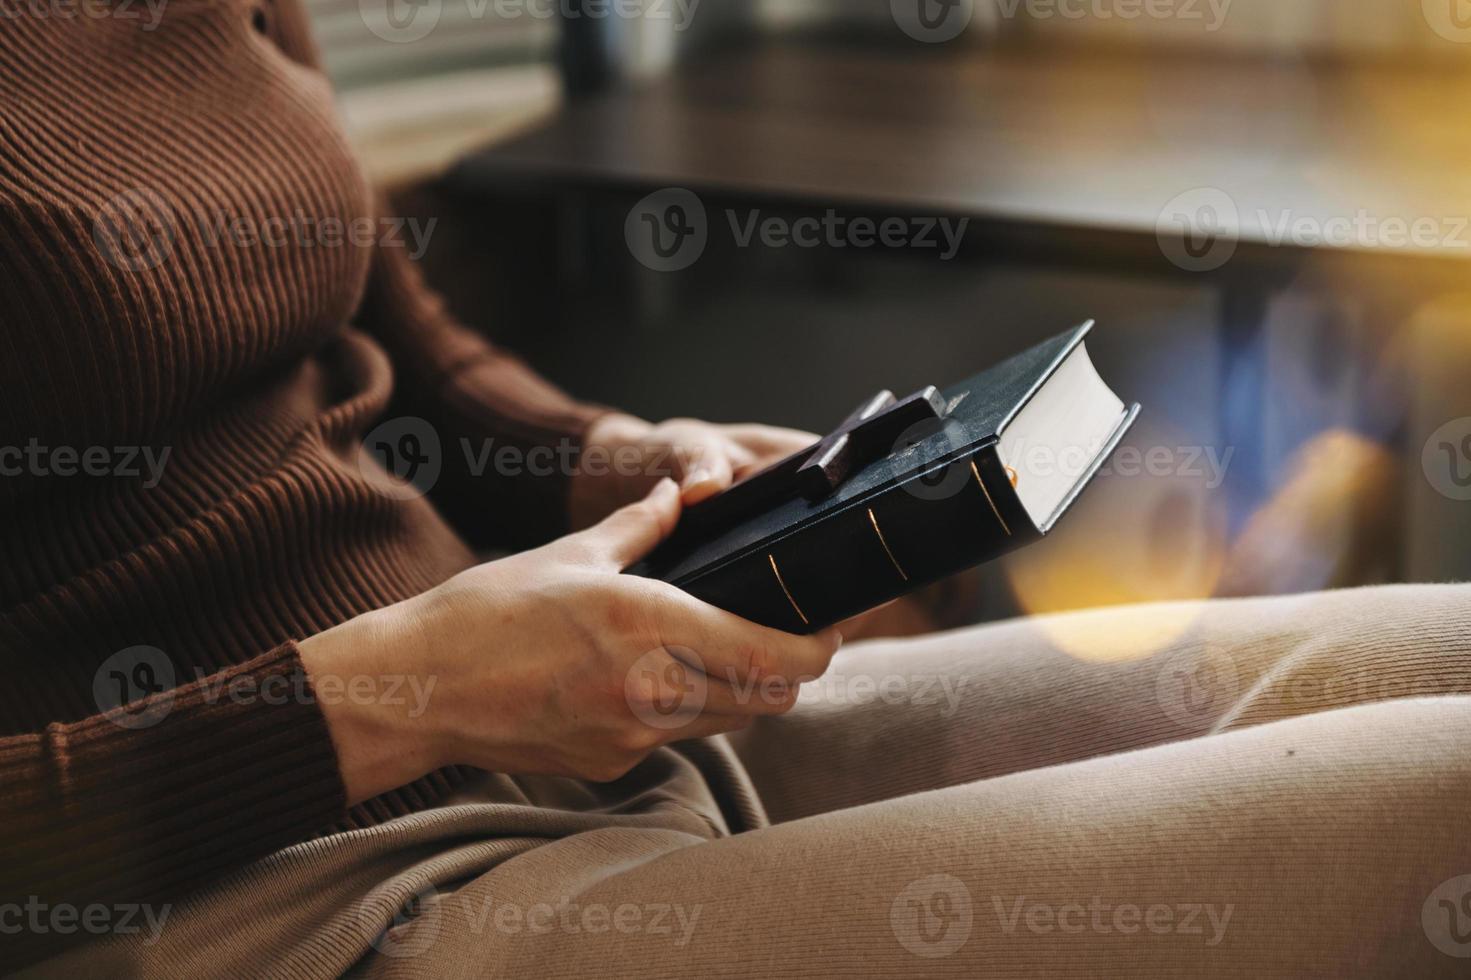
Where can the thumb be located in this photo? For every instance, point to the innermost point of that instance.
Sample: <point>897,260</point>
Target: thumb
<point>630,533</point>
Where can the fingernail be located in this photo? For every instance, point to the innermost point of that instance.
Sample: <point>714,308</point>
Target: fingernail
<point>698,477</point>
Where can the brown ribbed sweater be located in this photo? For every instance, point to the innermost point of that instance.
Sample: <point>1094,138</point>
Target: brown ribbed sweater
<point>258,367</point>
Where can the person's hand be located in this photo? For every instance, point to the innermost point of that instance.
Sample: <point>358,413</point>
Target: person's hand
<point>551,662</point>
<point>623,457</point>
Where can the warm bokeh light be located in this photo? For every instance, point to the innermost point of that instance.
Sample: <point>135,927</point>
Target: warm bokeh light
<point>1323,527</point>
<point>1146,531</point>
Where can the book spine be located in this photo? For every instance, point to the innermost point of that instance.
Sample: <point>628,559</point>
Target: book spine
<point>958,515</point>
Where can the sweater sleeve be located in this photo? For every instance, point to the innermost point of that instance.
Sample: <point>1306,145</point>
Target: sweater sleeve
<point>142,803</point>
<point>509,440</point>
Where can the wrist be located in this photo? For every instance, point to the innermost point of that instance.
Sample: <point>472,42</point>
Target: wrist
<point>376,703</point>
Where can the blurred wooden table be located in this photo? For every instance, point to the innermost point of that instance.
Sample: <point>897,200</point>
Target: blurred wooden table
<point>1313,175</point>
<point>1057,143</point>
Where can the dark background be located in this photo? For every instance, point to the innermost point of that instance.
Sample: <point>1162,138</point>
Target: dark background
<point>1319,375</point>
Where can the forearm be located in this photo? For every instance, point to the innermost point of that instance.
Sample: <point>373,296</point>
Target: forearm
<point>382,743</point>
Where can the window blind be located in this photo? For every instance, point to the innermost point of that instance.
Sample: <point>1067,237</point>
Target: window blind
<point>371,42</point>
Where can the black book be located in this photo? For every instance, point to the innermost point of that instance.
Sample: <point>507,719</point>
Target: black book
<point>904,493</point>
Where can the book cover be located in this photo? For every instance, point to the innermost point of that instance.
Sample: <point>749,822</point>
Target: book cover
<point>941,496</point>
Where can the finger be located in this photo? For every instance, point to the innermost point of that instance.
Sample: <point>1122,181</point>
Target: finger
<point>630,533</point>
<point>856,627</point>
<point>769,696</point>
<point>708,470</point>
<point>735,650</point>
<point>767,440</point>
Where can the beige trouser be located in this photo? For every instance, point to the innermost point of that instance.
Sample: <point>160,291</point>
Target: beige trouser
<point>1242,789</point>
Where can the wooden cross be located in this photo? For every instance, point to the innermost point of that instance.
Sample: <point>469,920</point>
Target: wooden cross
<point>869,434</point>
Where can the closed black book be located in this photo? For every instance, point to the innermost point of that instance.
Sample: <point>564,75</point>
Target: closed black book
<point>903,494</point>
